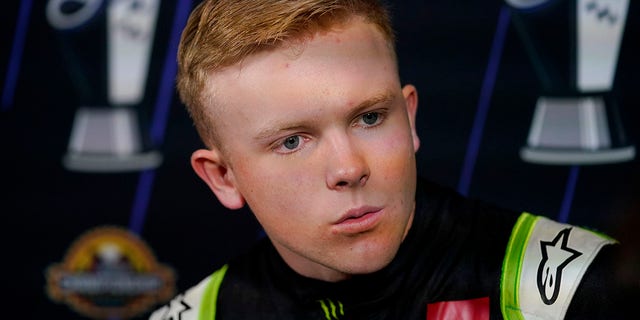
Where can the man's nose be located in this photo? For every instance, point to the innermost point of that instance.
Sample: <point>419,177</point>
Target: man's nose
<point>346,164</point>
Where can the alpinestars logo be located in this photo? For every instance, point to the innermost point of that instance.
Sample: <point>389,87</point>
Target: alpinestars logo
<point>175,308</point>
<point>556,255</point>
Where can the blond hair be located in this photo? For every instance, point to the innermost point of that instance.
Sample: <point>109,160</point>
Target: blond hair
<point>220,33</point>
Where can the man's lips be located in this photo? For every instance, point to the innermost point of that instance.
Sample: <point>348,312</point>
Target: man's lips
<point>358,220</point>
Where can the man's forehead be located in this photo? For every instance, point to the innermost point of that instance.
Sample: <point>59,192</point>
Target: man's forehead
<point>331,69</point>
<point>351,37</point>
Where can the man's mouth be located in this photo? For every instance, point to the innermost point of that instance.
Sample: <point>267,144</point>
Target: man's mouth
<point>358,220</point>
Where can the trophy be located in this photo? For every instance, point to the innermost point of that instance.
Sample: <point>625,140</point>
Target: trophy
<point>108,132</point>
<point>574,46</point>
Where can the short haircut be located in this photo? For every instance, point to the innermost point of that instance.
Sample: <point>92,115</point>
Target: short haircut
<point>221,33</point>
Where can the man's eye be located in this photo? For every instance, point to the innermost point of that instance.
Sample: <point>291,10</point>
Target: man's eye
<point>291,143</point>
<point>370,118</point>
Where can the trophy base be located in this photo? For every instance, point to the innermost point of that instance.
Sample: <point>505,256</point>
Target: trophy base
<point>108,163</point>
<point>109,139</point>
<point>575,131</point>
<point>576,157</point>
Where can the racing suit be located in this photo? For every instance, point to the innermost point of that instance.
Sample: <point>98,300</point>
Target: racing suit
<point>462,259</point>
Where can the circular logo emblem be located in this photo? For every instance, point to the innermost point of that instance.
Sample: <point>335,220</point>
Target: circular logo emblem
<point>110,273</point>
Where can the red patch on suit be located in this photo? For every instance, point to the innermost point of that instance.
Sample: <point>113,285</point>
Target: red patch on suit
<point>473,309</point>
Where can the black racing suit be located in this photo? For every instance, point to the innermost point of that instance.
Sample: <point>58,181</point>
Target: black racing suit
<point>454,251</point>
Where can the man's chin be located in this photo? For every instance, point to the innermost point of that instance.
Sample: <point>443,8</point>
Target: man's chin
<point>369,262</point>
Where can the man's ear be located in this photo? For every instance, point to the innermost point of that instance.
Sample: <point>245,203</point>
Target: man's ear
<point>211,168</point>
<point>410,94</point>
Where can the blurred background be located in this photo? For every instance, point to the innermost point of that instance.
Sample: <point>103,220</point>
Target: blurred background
<point>96,174</point>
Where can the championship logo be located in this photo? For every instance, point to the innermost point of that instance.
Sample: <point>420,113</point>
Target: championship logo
<point>110,273</point>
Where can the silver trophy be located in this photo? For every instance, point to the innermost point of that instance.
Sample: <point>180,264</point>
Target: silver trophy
<point>109,137</point>
<point>574,46</point>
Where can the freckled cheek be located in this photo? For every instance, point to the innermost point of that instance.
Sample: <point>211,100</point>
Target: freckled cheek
<point>394,156</point>
<point>275,185</point>
<point>274,204</point>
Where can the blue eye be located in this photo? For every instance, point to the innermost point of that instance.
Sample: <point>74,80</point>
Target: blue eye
<point>370,118</point>
<point>291,142</point>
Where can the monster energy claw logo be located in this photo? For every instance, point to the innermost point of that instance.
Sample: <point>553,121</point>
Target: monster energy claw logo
<point>556,255</point>
<point>332,311</point>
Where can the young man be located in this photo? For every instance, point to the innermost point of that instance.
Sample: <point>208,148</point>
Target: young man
<point>305,121</point>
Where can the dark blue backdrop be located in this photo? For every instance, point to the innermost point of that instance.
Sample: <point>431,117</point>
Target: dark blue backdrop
<point>444,49</point>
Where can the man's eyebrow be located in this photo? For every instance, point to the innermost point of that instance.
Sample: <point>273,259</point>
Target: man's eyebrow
<point>381,98</point>
<point>274,128</point>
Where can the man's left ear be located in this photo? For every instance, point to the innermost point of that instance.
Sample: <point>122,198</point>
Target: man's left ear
<point>212,169</point>
<point>410,94</point>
